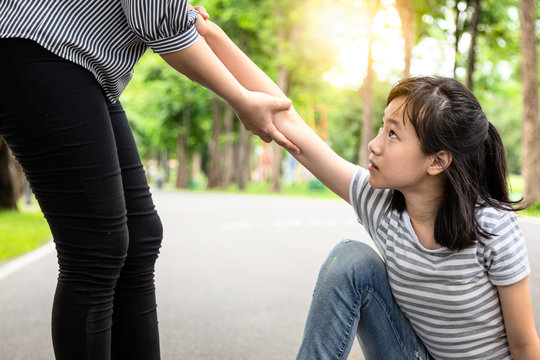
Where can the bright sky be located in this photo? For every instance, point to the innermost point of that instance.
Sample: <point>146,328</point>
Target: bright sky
<point>429,56</point>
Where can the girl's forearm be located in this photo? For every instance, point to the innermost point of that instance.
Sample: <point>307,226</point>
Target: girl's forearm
<point>335,172</point>
<point>238,63</point>
<point>327,166</point>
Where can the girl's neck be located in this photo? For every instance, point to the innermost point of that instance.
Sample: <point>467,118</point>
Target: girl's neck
<point>422,208</point>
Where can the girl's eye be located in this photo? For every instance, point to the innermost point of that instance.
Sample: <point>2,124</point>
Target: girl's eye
<point>392,134</point>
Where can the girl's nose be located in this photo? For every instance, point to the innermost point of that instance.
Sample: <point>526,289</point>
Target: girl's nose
<point>374,146</point>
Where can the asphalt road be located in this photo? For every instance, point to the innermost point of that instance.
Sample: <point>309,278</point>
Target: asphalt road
<point>234,279</point>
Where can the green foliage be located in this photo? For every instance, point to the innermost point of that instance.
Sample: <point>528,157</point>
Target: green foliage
<point>300,36</point>
<point>155,102</point>
<point>533,210</point>
<point>21,232</point>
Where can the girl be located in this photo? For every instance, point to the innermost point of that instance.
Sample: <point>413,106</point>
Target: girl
<point>453,279</point>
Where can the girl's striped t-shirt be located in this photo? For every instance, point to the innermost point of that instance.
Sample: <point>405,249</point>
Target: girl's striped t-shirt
<point>106,37</point>
<point>449,297</point>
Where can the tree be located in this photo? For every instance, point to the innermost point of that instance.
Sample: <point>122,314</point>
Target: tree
<point>475,19</point>
<point>366,91</point>
<point>182,150</point>
<point>407,16</point>
<point>529,77</point>
<point>214,151</point>
<point>10,178</point>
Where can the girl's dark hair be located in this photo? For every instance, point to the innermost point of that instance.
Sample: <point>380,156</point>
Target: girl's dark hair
<point>447,116</point>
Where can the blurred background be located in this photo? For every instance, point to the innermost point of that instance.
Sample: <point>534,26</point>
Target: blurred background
<point>337,60</point>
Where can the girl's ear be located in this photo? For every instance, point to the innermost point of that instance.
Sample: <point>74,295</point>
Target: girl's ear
<point>439,162</point>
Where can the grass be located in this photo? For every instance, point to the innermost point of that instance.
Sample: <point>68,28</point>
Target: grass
<point>21,231</point>
<point>516,185</point>
<point>313,188</point>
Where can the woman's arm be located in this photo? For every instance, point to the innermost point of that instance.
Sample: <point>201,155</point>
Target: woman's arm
<point>519,320</point>
<point>335,172</point>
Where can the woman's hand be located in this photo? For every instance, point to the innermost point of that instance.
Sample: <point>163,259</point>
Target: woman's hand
<point>257,111</point>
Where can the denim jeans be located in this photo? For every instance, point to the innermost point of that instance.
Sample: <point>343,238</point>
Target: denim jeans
<point>353,296</point>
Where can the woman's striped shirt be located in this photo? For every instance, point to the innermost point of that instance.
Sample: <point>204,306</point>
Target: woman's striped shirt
<point>449,297</point>
<point>107,37</point>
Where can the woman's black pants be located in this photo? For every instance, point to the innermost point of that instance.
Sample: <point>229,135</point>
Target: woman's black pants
<point>79,155</point>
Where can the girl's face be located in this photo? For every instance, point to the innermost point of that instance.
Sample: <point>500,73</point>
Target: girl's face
<point>396,160</point>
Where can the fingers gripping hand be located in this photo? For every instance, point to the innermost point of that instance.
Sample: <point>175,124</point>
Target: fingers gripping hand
<point>257,113</point>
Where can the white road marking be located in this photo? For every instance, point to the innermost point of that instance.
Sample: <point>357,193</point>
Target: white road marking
<point>18,263</point>
<point>235,226</point>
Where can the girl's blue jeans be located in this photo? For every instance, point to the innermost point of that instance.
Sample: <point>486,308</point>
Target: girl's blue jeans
<point>353,296</point>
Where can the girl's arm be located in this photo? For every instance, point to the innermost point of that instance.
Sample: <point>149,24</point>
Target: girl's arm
<point>519,320</point>
<point>256,110</point>
<point>335,172</point>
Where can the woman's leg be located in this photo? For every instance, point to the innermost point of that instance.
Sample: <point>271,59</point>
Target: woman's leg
<point>56,120</point>
<point>135,326</point>
<point>352,296</point>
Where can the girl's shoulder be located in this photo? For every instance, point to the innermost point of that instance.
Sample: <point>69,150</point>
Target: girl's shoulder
<point>493,219</point>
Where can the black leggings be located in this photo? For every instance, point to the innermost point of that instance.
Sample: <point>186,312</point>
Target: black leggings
<point>79,155</point>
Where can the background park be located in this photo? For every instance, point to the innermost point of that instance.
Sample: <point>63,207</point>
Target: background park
<point>337,61</point>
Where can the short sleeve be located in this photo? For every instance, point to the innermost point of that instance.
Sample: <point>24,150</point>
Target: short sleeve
<point>164,25</point>
<point>371,205</point>
<point>505,254</point>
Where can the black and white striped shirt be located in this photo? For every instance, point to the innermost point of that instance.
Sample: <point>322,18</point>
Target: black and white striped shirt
<point>449,297</point>
<point>107,37</point>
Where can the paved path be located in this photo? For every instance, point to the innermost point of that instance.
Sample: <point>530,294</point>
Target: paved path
<point>234,279</point>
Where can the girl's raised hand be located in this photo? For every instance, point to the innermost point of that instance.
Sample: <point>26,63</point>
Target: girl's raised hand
<point>201,10</point>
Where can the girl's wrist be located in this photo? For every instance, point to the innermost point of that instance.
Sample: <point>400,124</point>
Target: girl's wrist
<point>236,96</point>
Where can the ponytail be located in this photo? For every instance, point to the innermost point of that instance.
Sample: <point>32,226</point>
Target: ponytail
<point>496,172</point>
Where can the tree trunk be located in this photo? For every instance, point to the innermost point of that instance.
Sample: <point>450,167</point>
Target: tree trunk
<point>183,171</point>
<point>459,29</point>
<point>214,171</point>
<point>228,153</point>
<point>8,196</point>
<point>471,59</point>
<point>277,151</point>
<point>529,77</point>
<point>367,102</point>
<point>243,158</point>
<point>408,28</point>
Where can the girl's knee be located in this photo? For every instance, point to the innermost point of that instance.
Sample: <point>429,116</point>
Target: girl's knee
<point>352,260</point>
<point>356,253</point>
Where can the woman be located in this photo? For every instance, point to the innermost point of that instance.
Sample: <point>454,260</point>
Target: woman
<point>64,65</point>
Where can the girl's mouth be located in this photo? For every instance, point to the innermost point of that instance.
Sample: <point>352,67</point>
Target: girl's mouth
<point>372,166</point>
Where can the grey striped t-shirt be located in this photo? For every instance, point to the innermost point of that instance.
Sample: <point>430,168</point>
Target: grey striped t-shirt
<point>449,297</point>
<point>107,37</point>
